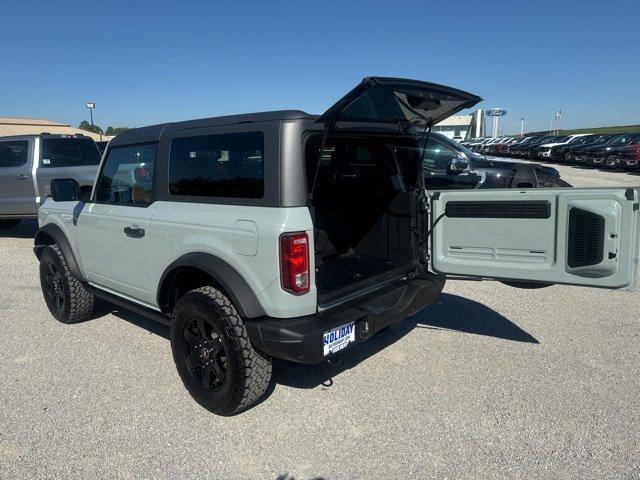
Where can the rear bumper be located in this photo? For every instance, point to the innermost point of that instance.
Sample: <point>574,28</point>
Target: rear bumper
<point>300,339</point>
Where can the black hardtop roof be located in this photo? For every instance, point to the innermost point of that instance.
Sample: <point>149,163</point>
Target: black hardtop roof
<point>152,133</point>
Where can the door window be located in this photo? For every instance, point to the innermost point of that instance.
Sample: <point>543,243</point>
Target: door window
<point>127,175</point>
<point>438,156</point>
<point>13,153</point>
<point>69,152</point>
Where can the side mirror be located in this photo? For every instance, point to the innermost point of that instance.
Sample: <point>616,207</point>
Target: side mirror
<point>65,190</point>
<point>457,165</point>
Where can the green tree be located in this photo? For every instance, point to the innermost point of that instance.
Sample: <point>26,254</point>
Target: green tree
<point>115,130</point>
<point>84,125</point>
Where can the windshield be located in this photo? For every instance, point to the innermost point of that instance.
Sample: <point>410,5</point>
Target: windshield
<point>442,142</point>
<point>623,139</point>
<point>561,139</point>
<point>580,140</point>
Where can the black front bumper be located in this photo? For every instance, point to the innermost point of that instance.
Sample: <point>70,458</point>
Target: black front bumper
<point>300,339</point>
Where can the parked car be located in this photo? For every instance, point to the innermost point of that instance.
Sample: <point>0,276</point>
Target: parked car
<point>603,154</point>
<point>288,235</point>
<point>477,143</point>
<point>501,148</point>
<point>487,146</point>
<point>582,154</point>
<point>527,150</point>
<point>627,157</point>
<point>561,152</point>
<point>443,169</point>
<point>575,154</point>
<point>512,149</point>
<point>29,162</point>
<point>549,151</point>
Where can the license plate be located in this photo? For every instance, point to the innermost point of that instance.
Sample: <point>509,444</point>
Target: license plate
<point>338,338</point>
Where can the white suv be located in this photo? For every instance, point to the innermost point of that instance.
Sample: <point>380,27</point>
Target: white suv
<point>288,235</point>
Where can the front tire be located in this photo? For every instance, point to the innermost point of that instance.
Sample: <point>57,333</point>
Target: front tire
<point>67,299</point>
<point>213,355</point>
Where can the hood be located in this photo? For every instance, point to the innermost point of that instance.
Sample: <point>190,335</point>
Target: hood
<point>550,145</point>
<point>398,100</point>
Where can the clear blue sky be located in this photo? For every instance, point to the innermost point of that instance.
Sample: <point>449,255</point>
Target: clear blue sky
<point>149,62</point>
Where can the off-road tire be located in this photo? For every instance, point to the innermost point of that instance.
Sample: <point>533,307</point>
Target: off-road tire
<point>248,371</point>
<point>78,303</point>
<point>9,223</point>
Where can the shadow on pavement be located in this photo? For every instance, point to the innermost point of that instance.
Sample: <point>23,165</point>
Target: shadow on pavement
<point>450,312</point>
<point>25,229</point>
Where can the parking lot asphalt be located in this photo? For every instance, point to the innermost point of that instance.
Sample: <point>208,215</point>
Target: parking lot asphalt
<point>490,382</point>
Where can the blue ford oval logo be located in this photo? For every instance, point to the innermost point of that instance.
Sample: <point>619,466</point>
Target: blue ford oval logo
<point>496,112</point>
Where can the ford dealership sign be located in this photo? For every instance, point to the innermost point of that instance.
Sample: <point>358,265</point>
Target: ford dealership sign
<point>496,112</point>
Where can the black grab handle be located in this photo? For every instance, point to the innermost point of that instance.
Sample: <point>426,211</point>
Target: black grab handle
<point>134,232</point>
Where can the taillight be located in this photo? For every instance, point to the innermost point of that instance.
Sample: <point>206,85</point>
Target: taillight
<point>294,262</point>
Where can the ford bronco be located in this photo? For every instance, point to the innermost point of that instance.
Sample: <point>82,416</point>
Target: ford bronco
<point>295,236</point>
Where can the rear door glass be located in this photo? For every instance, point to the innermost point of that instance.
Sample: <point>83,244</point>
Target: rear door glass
<point>223,165</point>
<point>69,152</point>
<point>13,153</point>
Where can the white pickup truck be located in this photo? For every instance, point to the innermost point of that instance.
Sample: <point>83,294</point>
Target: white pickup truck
<point>288,235</point>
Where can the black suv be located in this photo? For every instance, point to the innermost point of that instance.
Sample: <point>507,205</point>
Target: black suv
<point>442,169</point>
<point>601,154</point>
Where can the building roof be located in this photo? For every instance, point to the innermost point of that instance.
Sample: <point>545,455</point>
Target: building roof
<point>455,120</point>
<point>10,126</point>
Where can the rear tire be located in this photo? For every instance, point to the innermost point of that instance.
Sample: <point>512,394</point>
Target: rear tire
<point>9,223</point>
<point>213,355</point>
<point>67,299</point>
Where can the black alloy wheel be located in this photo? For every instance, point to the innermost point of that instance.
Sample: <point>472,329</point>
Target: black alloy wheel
<point>213,353</point>
<point>54,290</point>
<point>204,352</point>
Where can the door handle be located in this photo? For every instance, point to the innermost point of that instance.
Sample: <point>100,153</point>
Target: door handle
<point>21,176</point>
<point>134,231</point>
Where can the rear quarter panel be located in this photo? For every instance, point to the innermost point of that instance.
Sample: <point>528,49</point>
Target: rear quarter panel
<point>247,238</point>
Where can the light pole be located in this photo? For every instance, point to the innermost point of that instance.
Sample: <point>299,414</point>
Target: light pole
<point>522,127</point>
<point>91,106</point>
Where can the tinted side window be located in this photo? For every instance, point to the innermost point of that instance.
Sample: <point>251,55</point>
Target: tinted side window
<point>230,165</point>
<point>69,152</point>
<point>13,153</point>
<point>127,175</point>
